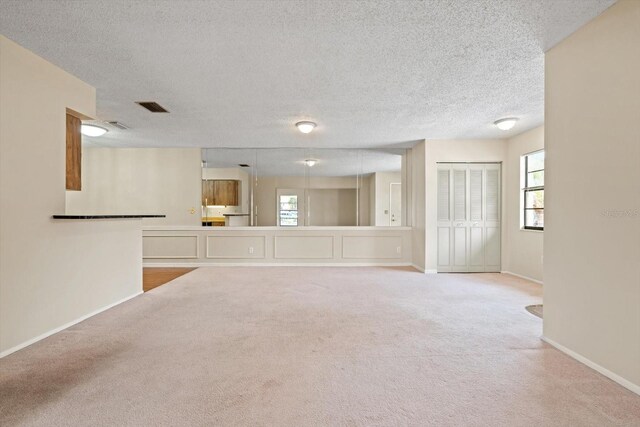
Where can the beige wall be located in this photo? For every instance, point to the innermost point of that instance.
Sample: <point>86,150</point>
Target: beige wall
<point>265,196</point>
<point>382,181</point>
<point>485,151</point>
<point>592,223</point>
<point>523,251</point>
<point>417,203</point>
<point>140,181</point>
<point>52,272</point>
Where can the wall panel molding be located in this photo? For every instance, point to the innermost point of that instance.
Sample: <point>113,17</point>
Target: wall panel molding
<point>158,247</point>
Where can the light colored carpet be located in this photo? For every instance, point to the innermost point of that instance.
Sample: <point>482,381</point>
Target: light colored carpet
<point>312,347</point>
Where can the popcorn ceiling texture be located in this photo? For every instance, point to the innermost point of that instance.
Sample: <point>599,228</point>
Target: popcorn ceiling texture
<point>240,74</point>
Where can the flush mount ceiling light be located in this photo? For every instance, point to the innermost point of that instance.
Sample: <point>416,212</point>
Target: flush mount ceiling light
<point>310,162</point>
<point>506,123</point>
<point>92,130</point>
<point>305,126</point>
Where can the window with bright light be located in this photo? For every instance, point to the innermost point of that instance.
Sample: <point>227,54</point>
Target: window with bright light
<point>288,210</point>
<point>533,191</point>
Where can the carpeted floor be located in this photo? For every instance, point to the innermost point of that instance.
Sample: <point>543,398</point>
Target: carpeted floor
<point>312,347</point>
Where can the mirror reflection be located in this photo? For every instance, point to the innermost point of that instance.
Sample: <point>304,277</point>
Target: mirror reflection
<point>295,187</point>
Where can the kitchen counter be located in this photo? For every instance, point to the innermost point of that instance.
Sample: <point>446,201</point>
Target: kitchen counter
<point>236,219</point>
<point>106,216</point>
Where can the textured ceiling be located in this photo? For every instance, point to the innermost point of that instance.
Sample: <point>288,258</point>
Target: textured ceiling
<point>241,73</point>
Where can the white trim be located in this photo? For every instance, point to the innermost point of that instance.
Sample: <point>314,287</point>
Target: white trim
<point>278,264</point>
<point>65,326</point>
<point>424,270</point>
<point>399,254</point>
<point>304,236</point>
<point>197,236</point>
<point>264,247</point>
<point>604,371</point>
<point>420,269</point>
<point>275,228</point>
<point>522,277</point>
<point>528,230</point>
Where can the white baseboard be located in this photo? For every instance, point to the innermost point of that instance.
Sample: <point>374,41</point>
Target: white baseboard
<point>276,264</point>
<point>431,271</point>
<point>604,371</point>
<point>420,269</point>
<point>65,326</point>
<point>522,277</point>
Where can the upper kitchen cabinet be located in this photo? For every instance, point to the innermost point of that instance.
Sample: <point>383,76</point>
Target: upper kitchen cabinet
<point>219,192</point>
<point>74,153</point>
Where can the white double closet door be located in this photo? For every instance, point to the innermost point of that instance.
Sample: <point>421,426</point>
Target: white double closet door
<point>469,217</point>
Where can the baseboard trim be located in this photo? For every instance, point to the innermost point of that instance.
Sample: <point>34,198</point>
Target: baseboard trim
<point>420,269</point>
<point>522,277</point>
<point>275,264</point>
<point>604,371</point>
<point>65,326</point>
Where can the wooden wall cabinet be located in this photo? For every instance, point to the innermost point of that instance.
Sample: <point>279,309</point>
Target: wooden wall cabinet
<point>74,153</point>
<point>220,192</point>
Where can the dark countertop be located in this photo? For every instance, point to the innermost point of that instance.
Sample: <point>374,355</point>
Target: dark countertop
<point>106,216</point>
<point>235,214</point>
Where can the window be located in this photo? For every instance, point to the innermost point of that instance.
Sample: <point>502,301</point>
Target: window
<point>288,210</point>
<point>533,191</point>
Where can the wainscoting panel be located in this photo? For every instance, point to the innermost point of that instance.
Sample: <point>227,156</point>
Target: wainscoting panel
<point>233,246</point>
<point>372,247</point>
<point>180,247</point>
<point>303,247</point>
<point>193,246</point>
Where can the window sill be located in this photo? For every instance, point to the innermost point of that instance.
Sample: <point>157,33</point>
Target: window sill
<point>531,231</point>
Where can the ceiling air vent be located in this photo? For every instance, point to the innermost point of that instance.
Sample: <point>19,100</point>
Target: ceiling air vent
<point>243,165</point>
<point>154,107</point>
<point>118,125</point>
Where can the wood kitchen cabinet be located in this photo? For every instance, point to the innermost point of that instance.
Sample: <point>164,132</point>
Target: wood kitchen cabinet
<point>73,153</point>
<point>220,192</point>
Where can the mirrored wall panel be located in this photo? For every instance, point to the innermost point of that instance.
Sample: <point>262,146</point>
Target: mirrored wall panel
<point>292,187</point>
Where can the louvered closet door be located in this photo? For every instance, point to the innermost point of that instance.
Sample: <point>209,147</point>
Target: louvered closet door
<point>492,208</point>
<point>468,217</point>
<point>460,223</point>
<point>444,217</point>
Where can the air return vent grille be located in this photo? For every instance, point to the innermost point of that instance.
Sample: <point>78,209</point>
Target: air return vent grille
<point>154,107</point>
<point>119,125</point>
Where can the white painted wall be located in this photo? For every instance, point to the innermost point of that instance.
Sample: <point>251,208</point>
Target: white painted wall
<point>416,169</point>
<point>265,196</point>
<point>592,194</point>
<point>382,181</point>
<point>523,250</point>
<point>483,151</point>
<point>140,181</point>
<point>52,272</point>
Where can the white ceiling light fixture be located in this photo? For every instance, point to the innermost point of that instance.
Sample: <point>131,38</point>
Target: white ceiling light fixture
<point>92,130</point>
<point>305,126</point>
<point>506,123</point>
<point>310,162</point>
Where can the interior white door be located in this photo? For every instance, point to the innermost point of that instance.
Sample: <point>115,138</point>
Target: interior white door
<point>395,204</point>
<point>468,227</point>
